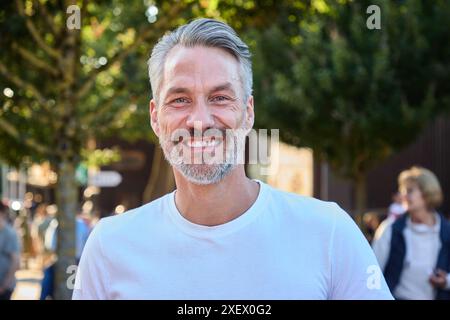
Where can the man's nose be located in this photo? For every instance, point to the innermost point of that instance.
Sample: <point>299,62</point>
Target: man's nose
<point>200,117</point>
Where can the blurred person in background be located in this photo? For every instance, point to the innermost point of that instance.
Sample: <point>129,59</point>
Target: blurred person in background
<point>23,225</point>
<point>82,231</point>
<point>41,221</point>
<point>414,250</point>
<point>371,222</point>
<point>397,207</point>
<point>9,255</point>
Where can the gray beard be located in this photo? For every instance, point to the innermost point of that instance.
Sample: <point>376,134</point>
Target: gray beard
<point>204,174</point>
<point>201,174</point>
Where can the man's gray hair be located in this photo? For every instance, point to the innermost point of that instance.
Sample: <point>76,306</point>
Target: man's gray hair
<point>201,32</point>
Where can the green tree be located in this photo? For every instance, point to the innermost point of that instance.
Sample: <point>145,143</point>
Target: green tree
<point>352,94</point>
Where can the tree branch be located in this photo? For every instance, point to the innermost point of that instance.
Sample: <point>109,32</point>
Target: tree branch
<point>35,33</point>
<point>118,57</point>
<point>34,60</point>
<point>22,84</point>
<point>30,142</point>
<point>47,17</point>
<point>104,108</point>
<point>144,33</point>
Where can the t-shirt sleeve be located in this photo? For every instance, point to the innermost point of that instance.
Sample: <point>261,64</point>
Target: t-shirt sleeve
<point>355,273</point>
<point>91,279</point>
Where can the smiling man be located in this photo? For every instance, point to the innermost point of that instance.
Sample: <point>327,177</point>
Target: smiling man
<point>220,235</point>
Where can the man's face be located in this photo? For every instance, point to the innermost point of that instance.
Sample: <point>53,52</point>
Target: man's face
<point>201,118</point>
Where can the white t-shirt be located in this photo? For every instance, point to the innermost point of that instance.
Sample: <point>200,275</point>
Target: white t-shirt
<point>285,246</point>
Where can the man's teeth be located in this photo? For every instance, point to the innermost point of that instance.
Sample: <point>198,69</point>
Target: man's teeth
<point>202,144</point>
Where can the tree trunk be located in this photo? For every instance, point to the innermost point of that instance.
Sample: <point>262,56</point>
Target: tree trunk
<point>161,180</point>
<point>66,200</point>
<point>360,199</point>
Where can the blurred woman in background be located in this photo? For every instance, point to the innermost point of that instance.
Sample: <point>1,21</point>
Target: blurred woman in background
<point>414,250</point>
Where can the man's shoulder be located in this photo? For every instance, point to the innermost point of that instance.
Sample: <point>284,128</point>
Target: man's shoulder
<point>309,213</point>
<point>305,204</point>
<point>126,222</point>
<point>316,217</point>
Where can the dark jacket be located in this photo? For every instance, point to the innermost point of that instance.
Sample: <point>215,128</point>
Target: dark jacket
<point>394,265</point>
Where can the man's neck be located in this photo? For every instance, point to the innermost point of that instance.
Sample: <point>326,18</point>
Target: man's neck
<point>218,203</point>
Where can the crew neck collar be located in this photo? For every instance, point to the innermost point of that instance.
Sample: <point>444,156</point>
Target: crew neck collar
<point>203,231</point>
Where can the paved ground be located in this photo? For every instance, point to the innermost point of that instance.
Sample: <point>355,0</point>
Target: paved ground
<point>28,285</point>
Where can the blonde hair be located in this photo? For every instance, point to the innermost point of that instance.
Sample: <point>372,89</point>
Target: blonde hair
<point>427,182</point>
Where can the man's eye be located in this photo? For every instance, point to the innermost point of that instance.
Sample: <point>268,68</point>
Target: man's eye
<point>220,99</point>
<point>180,100</point>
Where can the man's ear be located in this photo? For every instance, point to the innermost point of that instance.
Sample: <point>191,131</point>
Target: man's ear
<point>250,114</point>
<point>154,117</point>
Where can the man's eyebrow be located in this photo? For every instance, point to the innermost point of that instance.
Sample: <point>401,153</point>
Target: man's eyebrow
<point>220,87</point>
<point>173,90</point>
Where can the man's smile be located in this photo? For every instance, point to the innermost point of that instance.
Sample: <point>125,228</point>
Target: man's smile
<point>202,145</point>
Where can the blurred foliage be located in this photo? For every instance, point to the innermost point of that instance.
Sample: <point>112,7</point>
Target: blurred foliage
<point>352,94</point>
<point>100,157</point>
